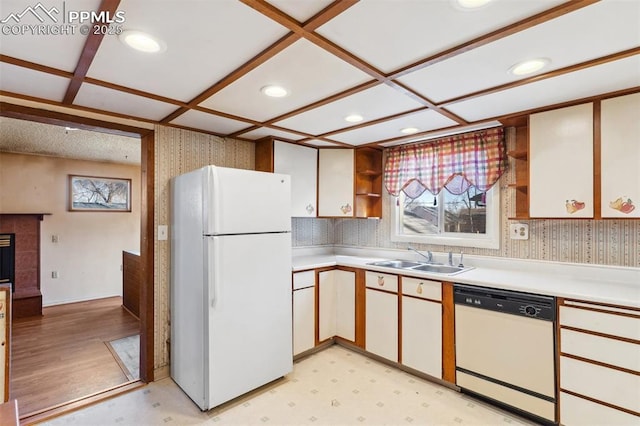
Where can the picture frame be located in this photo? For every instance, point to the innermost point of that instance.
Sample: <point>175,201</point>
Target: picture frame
<point>99,194</point>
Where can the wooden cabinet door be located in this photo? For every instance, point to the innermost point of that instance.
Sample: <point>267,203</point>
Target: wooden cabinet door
<point>345,284</point>
<point>382,324</point>
<point>303,320</point>
<point>327,305</point>
<point>301,163</point>
<point>561,163</point>
<point>335,182</point>
<point>422,335</point>
<point>620,156</point>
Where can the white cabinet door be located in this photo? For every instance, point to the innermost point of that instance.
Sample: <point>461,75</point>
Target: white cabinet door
<point>345,283</point>
<point>382,324</point>
<point>422,335</point>
<point>561,162</point>
<point>301,163</point>
<point>620,156</point>
<point>303,320</point>
<point>335,182</point>
<point>337,312</point>
<point>327,305</point>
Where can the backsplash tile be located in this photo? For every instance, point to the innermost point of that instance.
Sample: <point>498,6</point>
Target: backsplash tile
<point>604,242</point>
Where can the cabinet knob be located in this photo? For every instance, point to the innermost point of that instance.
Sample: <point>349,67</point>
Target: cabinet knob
<point>380,280</point>
<point>419,289</point>
<point>310,209</point>
<point>346,209</point>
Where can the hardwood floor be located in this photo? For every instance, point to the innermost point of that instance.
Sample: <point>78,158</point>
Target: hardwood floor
<point>62,355</point>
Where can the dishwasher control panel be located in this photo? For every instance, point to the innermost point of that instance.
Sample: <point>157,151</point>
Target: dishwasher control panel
<point>510,302</point>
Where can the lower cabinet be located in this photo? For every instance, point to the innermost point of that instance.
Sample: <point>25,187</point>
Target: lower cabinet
<point>599,364</point>
<point>381,324</point>
<point>422,326</point>
<point>337,301</point>
<point>304,337</point>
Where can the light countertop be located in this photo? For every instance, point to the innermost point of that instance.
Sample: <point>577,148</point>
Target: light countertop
<point>596,283</point>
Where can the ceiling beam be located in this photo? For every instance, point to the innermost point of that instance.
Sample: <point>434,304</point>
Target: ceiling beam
<point>555,73</point>
<point>89,52</point>
<point>60,119</point>
<point>36,67</point>
<point>522,25</point>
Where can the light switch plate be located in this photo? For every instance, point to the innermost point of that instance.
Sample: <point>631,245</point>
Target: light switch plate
<point>519,231</point>
<point>163,231</point>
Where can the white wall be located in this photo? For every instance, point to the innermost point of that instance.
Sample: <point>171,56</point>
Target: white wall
<point>88,255</point>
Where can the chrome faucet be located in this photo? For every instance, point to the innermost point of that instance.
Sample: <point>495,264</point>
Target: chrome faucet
<point>428,256</point>
<point>461,256</point>
<point>450,259</point>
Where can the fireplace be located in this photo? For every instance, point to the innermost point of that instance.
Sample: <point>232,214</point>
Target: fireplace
<point>8,260</point>
<point>21,265</point>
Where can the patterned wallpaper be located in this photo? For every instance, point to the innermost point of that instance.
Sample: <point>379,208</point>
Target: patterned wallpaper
<point>179,151</point>
<point>605,242</point>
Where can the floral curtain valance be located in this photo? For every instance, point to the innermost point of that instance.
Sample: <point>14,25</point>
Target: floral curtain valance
<point>455,162</point>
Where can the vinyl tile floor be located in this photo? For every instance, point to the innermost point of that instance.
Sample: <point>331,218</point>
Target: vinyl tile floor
<point>333,387</point>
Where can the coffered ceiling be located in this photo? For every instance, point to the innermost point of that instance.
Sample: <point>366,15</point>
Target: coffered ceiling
<point>432,65</point>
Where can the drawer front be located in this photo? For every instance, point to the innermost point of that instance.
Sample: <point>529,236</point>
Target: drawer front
<point>304,279</point>
<point>601,383</point>
<point>576,411</point>
<point>610,351</point>
<point>612,324</point>
<point>382,281</point>
<point>423,289</point>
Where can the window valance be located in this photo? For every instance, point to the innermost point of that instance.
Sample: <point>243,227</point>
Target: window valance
<point>455,162</point>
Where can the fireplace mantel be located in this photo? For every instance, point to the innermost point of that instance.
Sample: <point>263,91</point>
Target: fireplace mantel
<point>40,215</point>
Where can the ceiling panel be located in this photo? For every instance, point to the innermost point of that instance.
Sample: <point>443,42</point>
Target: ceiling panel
<point>377,102</point>
<point>567,40</point>
<point>44,139</point>
<point>593,81</point>
<point>317,142</point>
<point>392,34</point>
<point>60,49</point>
<point>440,134</point>
<point>301,11</point>
<point>98,97</point>
<point>199,51</point>
<point>265,131</point>
<point>308,72</point>
<point>209,122</point>
<point>24,81</point>
<point>423,121</point>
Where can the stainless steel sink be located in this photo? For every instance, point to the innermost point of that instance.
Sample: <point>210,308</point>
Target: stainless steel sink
<point>402,264</point>
<point>439,269</point>
<point>436,268</point>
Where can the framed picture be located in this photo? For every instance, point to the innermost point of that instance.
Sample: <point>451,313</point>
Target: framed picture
<point>90,193</point>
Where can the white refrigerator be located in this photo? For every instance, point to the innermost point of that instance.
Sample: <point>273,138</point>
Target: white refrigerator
<point>231,297</point>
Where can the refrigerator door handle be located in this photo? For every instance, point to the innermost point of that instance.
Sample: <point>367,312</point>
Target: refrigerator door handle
<point>214,273</point>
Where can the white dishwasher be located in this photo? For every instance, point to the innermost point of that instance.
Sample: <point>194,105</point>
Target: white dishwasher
<point>505,349</point>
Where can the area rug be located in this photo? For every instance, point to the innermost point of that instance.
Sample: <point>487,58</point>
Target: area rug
<point>126,352</point>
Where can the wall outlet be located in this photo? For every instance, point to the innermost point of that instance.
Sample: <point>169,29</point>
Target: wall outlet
<point>163,231</point>
<point>54,274</point>
<point>519,231</point>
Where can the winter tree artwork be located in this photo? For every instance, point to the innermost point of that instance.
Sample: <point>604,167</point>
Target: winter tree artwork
<point>89,193</point>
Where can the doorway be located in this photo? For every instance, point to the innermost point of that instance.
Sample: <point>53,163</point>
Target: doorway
<point>146,220</point>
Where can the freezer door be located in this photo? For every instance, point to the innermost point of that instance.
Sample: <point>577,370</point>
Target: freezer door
<point>250,313</point>
<point>245,201</point>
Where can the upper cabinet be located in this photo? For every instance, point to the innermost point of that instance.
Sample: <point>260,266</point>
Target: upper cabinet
<point>335,183</point>
<point>298,161</point>
<point>350,183</point>
<point>561,163</point>
<point>620,156</point>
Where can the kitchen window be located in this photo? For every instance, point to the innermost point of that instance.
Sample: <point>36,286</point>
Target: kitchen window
<point>471,219</point>
<point>444,190</point>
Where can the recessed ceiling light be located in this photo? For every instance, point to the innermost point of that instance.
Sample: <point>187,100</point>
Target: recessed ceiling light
<point>409,130</point>
<point>529,67</point>
<point>470,4</point>
<point>142,41</point>
<point>274,91</point>
<point>354,118</point>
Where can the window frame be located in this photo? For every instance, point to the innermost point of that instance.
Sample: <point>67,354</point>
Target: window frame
<point>490,240</point>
